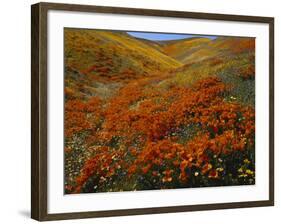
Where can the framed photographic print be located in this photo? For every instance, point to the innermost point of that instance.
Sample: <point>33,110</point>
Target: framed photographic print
<point>139,111</point>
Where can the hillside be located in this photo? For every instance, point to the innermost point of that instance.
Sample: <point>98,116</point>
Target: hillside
<point>142,115</point>
<point>196,49</point>
<point>182,49</point>
<point>94,58</point>
<point>232,59</point>
<point>103,54</point>
<point>99,62</point>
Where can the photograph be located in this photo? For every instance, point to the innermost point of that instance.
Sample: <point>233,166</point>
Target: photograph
<point>157,111</point>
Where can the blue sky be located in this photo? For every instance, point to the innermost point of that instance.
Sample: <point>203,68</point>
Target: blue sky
<point>165,36</point>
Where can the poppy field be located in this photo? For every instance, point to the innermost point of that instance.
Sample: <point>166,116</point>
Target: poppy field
<point>144,114</point>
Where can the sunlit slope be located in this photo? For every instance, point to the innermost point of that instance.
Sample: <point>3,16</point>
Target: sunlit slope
<point>99,62</point>
<point>200,48</point>
<point>113,56</point>
<point>181,50</point>
<point>231,59</point>
<point>158,45</point>
<point>136,119</point>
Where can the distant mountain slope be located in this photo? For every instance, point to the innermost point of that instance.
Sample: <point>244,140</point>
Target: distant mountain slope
<point>158,45</point>
<point>114,56</point>
<point>182,49</point>
<point>199,48</point>
<point>97,63</point>
<point>231,59</point>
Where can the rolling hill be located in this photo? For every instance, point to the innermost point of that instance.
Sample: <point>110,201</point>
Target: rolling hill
<point>182,49</point>
<point>230,58</point>
<point>105,54</point>
<point>142,115</point>
<point>94,57</point>
<point>99,62</point>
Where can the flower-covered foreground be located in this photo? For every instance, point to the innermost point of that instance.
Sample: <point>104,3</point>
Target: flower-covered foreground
<point>161,123</point>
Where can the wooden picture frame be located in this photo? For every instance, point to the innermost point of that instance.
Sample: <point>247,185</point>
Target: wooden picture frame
<point>39,108</point>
